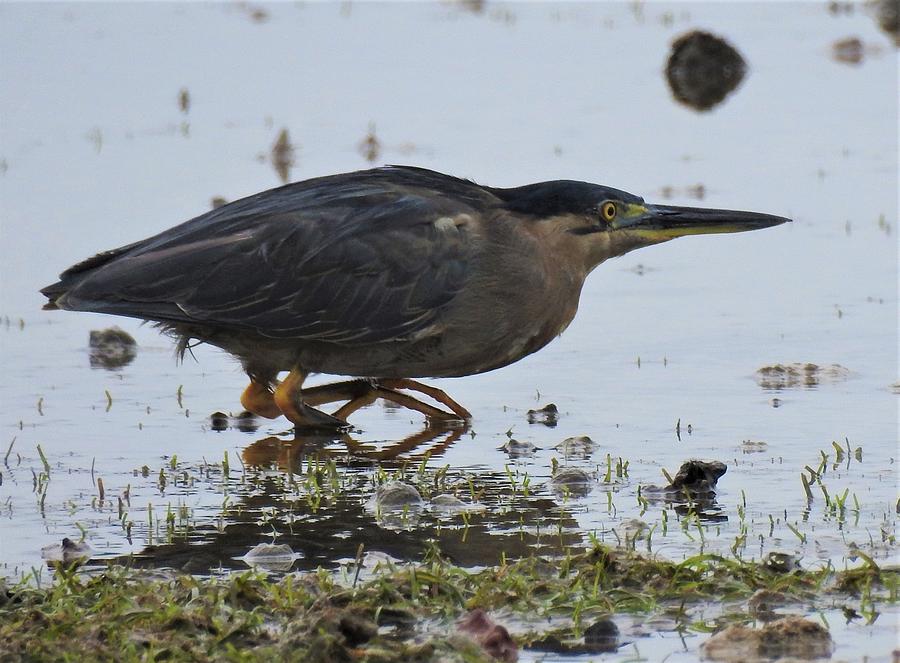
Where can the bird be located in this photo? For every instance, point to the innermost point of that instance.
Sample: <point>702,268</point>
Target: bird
<point>383,275</point>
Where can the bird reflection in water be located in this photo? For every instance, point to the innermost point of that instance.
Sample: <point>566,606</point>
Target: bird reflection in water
<point>288,452</point>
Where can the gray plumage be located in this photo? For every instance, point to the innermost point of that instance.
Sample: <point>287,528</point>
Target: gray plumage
<point>364,263</point>
<point>393,272</point>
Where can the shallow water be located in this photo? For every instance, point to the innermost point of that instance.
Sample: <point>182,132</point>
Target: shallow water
<point>96,153</point>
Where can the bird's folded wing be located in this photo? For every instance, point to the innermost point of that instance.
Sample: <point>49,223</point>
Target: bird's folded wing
<point>375,269</point>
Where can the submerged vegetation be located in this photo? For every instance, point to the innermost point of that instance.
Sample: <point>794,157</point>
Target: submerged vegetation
<point>409,612</point>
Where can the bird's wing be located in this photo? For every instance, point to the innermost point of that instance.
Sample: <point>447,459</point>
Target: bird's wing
<point>358,260</point>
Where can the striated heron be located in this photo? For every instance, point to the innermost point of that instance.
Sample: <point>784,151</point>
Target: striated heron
<point>386,274</point>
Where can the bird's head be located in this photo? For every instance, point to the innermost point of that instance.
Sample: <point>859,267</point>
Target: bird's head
<point>595,222</point>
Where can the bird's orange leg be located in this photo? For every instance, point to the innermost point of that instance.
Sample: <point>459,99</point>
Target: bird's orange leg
<point>437,394</point>
<point>337,391</point>
<point>260,401</point>
<point>296,403</point>
<point>404,400</point>
<point>354,404</point>
<point>288,397</point>
<point>363,392</point>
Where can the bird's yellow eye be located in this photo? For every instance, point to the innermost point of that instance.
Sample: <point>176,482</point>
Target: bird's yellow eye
<point>608,210</point>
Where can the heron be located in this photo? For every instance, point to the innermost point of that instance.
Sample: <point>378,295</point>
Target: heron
<point>383,275</point>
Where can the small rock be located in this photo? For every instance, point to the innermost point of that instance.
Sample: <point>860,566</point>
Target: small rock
<point>703,69</point>
<point>781,562</point>
<point>246,422</point>
<point>697,476</point>
<point>785,637</point>
<point>571,481</point>
<point>581,446</point>
<point>218,421</point>
<point>397,495</point>
<point>111,348</point>
<point>271,556</point>
<point>67,552</point>
<point>602,636</point>
<point>517,449</point>
<point>693,485</point>
<point>547,415</point>
<point>397,506</point>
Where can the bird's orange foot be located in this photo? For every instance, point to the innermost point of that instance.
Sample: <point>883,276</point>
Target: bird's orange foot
<point>439,395</point>
<point>296,404</point>
<point>260,401</point>
<point>288,398</point>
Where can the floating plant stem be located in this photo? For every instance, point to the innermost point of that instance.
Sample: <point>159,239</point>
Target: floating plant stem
<point>44,460</point>
<point>806,487</point>
<point>800,535</point>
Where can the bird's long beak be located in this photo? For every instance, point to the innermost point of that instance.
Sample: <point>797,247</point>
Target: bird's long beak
<point>658,223</point>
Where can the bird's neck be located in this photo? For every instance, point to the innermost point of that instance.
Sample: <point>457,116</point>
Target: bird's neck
<point>601,246</point>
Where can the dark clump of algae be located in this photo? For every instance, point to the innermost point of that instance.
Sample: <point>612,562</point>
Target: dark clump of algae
<point>400,612</point>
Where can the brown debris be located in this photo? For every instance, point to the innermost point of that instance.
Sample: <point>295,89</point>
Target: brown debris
<point>547,415</point>
<point>887,14</point>
<point>698,476</point>
<point>763,603</point>
<point>184,100</point>
<point>493,638</point>
<point>703,69</point>
<point>111,348</point>
<point>848,51</point>
<point>474,6</point>
<point>370,147</point>
<point>792,376</point>
<point>256,13</point>
<point>282,155</point>
<point>790,636</point>
<point>600,637</point>
<point>218,421</point>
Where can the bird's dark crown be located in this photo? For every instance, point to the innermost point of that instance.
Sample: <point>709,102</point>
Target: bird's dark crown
<point>558,197</point>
